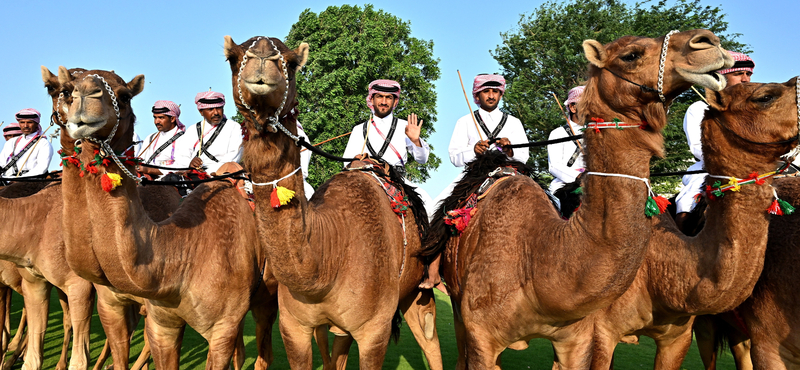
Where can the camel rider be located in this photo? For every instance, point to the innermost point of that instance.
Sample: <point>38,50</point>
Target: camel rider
<point>467,142</point>
<point>11,131</point>
<point>214,140</point>
<point>26,154</point>
<point>305,160</point>
<point>383,139</point>
<point>741,71</point>
<point>160,146</point>
<point>566,159</point>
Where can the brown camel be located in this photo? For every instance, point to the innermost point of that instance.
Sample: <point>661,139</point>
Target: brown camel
<point>203,266</point>
<point>716,270</point>
<point>518,271</point>
<point>343,257</point>
<point>10,281</point>
<point>119,312</point>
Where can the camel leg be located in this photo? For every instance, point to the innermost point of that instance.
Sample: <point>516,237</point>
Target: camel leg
<point>704,333</point>
<point>66,321</point>
<point>104,354</point>
<point>461,336</point>
<point>372,345</point>
<point>297,340</point>
<point>671,351</point>
<point>144,355</point>
<point>81,305</point>
<point>575,351</point>
<point>766,352</point>
<point>37,302</point>
<point>165,343</point>
<point>341,351</point>
<point>221,345</point>
<point>740,348</point>
<point>321,336</point>
<point>19,343</point>
<point>5,293</point>
<point>481,354</point>
<point>264,315</point>
<point>419,311</point>
<point>119,321</point>
<point>238,349</point>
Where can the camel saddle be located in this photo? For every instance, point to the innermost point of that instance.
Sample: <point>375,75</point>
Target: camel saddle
<point>380,171</point>
<point>458,219</point>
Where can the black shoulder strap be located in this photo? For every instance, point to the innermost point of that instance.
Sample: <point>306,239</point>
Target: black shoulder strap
<point>207,144</point>
<point>386,142</point>
<point>577,147</point>
<point>13,162</point>
<point>493,134</point>
<point>165,145</point>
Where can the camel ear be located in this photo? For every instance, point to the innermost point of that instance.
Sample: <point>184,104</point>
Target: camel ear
<point>136,85</point>
<point>230,47</point>
<point>64,76</point>
<point>718,100</point>
<point>595,53</point>
<point>302,55</point>
<point>49,78</point>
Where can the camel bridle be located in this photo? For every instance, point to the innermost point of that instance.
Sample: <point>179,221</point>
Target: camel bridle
<point>105,145</point>
<point>273,121</point>
<point>660,84</point>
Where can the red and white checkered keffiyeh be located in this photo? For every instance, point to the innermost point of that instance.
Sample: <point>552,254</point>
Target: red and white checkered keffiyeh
<point>12,129</point>
<point>574,95</point>
<point>209,99</point>
<point>487,81</point>
<point>743,63</point>
<point>29,113</point>
<point>384,87</point>
<point>174,111</point>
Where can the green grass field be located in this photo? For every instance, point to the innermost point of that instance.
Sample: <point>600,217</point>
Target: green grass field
<point>404,355</point>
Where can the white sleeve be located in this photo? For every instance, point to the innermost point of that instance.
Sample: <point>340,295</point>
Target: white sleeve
<point>691,126</point>
<point>517,135</point>
<point>6,152</point>
<point>558,155</point>
<point>420,153</point>
<point>234,134</point>
<point>354,143</point>
<point>44,153</point>
<point>183,148</point>
<point>305,155</point>
<point>459,149</point>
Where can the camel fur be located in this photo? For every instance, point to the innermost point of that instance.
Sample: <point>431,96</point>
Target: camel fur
<point>343,258</point>
<point>202,266</point>
<point>518,271</point>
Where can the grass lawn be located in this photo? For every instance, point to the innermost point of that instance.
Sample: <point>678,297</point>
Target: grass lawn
<point>404,355</point>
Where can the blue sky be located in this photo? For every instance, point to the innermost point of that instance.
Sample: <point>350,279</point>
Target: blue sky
<point>178,47</point>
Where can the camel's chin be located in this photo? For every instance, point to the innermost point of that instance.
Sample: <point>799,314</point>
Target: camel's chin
<point>260,89</point>
<point>709,80</point>
<point>83,130</point>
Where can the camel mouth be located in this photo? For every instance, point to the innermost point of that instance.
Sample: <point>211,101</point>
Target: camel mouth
<point>710,80</point>
<point>82,130</point>
<point>260,87</point>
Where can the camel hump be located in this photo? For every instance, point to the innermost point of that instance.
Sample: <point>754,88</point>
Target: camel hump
<point>228,167</point>
<point>231,167</point>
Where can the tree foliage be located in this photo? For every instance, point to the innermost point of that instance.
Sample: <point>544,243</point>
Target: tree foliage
<point>544,56</point>
<point>349,48</point>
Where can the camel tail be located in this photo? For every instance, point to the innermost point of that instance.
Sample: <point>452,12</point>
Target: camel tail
<point>397,323</point>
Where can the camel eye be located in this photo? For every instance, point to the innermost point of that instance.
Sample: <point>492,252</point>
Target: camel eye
<point>764,99</point>
<point>631,57</point>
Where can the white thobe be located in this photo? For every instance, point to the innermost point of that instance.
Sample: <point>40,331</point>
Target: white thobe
<point>692,184</point>
<point>227,147</point>
<point>33,162</point>
<point>558,156</point>
<point>166,158</point>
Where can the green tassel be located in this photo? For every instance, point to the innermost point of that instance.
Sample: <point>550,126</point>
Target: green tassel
<point>578,190</point>
<point>785,207</point>
<point>651,208</point>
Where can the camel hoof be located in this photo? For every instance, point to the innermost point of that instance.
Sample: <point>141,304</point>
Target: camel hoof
<point>429,326</point>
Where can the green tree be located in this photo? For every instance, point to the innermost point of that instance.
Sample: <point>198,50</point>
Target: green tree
<point>350,47</point>
<point>543,55</point>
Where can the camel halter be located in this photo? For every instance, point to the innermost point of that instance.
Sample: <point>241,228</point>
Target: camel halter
<point>789,157</point>
<point>272,121</point>
<point>655,204</point>
<point>660,84</point>
<point>105,145</point>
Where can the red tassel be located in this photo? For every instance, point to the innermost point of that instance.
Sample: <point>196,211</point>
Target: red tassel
<point>662,203</point>
<point>775,208</point>
<point>106,184</point>
<point>273,198</point>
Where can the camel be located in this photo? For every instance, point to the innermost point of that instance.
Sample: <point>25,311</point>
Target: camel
<point>118,311</point>
<point>203,266</point>
<point>343,258</point>
<point>518,271</point>
<point>715,271</point>
<point>10,280</point>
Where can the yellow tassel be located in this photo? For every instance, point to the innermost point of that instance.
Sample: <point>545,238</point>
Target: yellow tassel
<point>734,184</point>
<point>284,195</point>
<point>110,181</point>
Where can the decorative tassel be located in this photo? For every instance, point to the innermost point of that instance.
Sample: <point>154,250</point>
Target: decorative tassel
<point>775,208</point>
<point>662,203</point>
<point>280,196</point>
<point>110,181</point>
<point>785,206</point>
<point>578,190</point>
<point>651,208</point>
<point>734,184</point>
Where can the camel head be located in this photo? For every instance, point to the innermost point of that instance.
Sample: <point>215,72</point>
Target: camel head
<point>627,70</point>
<point>758,118</point>
<point>94,111</point>
<point>264,85</point>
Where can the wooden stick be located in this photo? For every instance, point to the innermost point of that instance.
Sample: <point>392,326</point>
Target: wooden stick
<point>469,107</point>
<point>148,145</point>
<point>700,95</point>
<point>202,132</point>
<point>567,118</point>
<point>19,170</point>
<point>325,141</point>
<point>367,135</point>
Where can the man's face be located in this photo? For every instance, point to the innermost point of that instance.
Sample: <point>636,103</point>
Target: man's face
<point>28,126</point>
<point>212,115</point>
<point>489,98</point>
<point>383,104</point>
<point>735,78</point>
<point>164,122</point>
